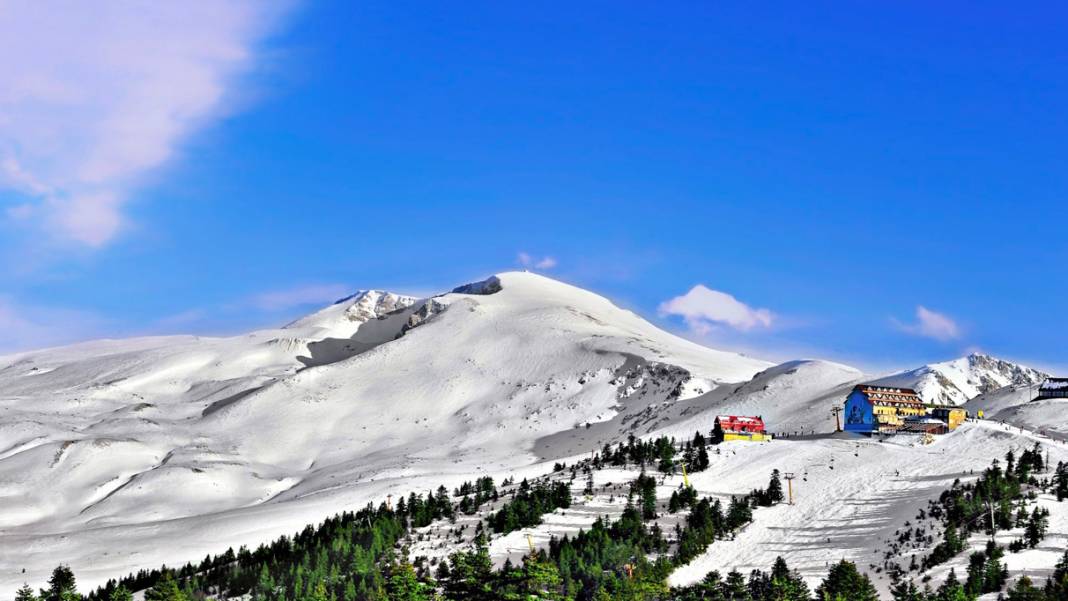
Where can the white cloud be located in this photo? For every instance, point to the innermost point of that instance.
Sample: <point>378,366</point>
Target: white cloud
<point>703,308</point>
<point>931,324</point>
<point>95,95</point>
<point>528,261</point>
<point>23,327</point>
<point>180,320</point>
<point>315,294</point>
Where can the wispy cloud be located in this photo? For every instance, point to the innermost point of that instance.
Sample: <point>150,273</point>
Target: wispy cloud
<point>314,294</point>
<point>528,261</point>
<point>703,308</point>
<point>94,96</point>
<point>176,321</point>
<point>931,324</point>
<point>24,327</point>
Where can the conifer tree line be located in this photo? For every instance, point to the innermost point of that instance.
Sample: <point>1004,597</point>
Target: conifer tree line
<point>997,500</point>
<point>529,504</point>
<point>473,577</point>
<point>475,494</point>
<point>357,556</point>
<point>983,580</point>
<point>610,560</point>
<point>660,452</point>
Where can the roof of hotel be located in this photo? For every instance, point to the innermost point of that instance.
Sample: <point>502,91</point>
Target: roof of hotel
<point>889,394</point>
<point>1054,384</point>
<point>734,422</point>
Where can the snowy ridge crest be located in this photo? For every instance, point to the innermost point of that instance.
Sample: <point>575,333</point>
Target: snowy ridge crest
<point>359,308</point>
<point>960,380</point>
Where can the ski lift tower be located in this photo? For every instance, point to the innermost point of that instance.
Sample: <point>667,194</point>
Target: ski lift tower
<point>837,410</point>
<point>790,485</point>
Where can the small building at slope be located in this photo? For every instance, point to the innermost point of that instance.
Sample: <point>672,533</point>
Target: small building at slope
<point>739,427</point>
<point>924,425</point>
<point>952,416</point>
<point>881,409</point>
<point>1053,388</point>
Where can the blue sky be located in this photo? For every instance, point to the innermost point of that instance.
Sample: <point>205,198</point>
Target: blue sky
<point>880,184</point>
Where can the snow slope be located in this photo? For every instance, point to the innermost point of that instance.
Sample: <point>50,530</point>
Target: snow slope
<point>793,398</point>
<point>125,454</point>
<point>119,455</point>
<point>851,496</point>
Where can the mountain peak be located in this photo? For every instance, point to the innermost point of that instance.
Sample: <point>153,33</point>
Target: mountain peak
<point>489,285</point>
<point>347,314</point>
<point>959,380</point>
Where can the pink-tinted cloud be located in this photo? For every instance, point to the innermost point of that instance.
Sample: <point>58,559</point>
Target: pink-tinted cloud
<point>931,324</point>
<point>94,96</point>
<point>529,261</point>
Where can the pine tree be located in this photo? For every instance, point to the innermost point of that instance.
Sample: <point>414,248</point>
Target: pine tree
<point>265,585</point>
<point>735,588</point>
<point>718,434</point>
<point>25,594</point>
<point>121,593</point>
<point>540,579</point>
<point>699,444</point>
<point>165,590</point>
<point>976,573</point>
<point>786,585</point>
<point>711,588</point>
<point>994,574</point>
<point>1025,591</point>
<point>845,582</point>
<point>1060,481</point>
<point>951,589</point>
<point>404,585</point>
<point>906,591</point>
<point>759,585</point>
<point>774,492</point>
<point>318,592</point>
<point>739,513</point>
<point>441,573</point>
<point>673,504</point>
<point>470,574</point>
<point>701,463</point>
<point>1036,527</point>
<point>61,586</point>
<point>648,497</point>
<point>1057,583</point>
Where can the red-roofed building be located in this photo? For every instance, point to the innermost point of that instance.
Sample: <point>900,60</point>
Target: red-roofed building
<point>739,427</point>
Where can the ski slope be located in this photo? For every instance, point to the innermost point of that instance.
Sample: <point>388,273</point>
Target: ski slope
<point>853,494</point>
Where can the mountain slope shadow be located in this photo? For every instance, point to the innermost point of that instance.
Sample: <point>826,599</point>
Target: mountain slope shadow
<point>370,334</point>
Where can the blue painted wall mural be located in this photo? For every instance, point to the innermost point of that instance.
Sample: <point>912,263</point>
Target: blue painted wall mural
<point>858,413</point>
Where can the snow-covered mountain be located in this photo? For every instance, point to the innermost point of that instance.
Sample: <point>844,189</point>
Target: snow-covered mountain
<point>1016,405</point>
<point>119,455</point>
<point>960,380</point>
<point>794,397</point>
<point>117,444</point>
